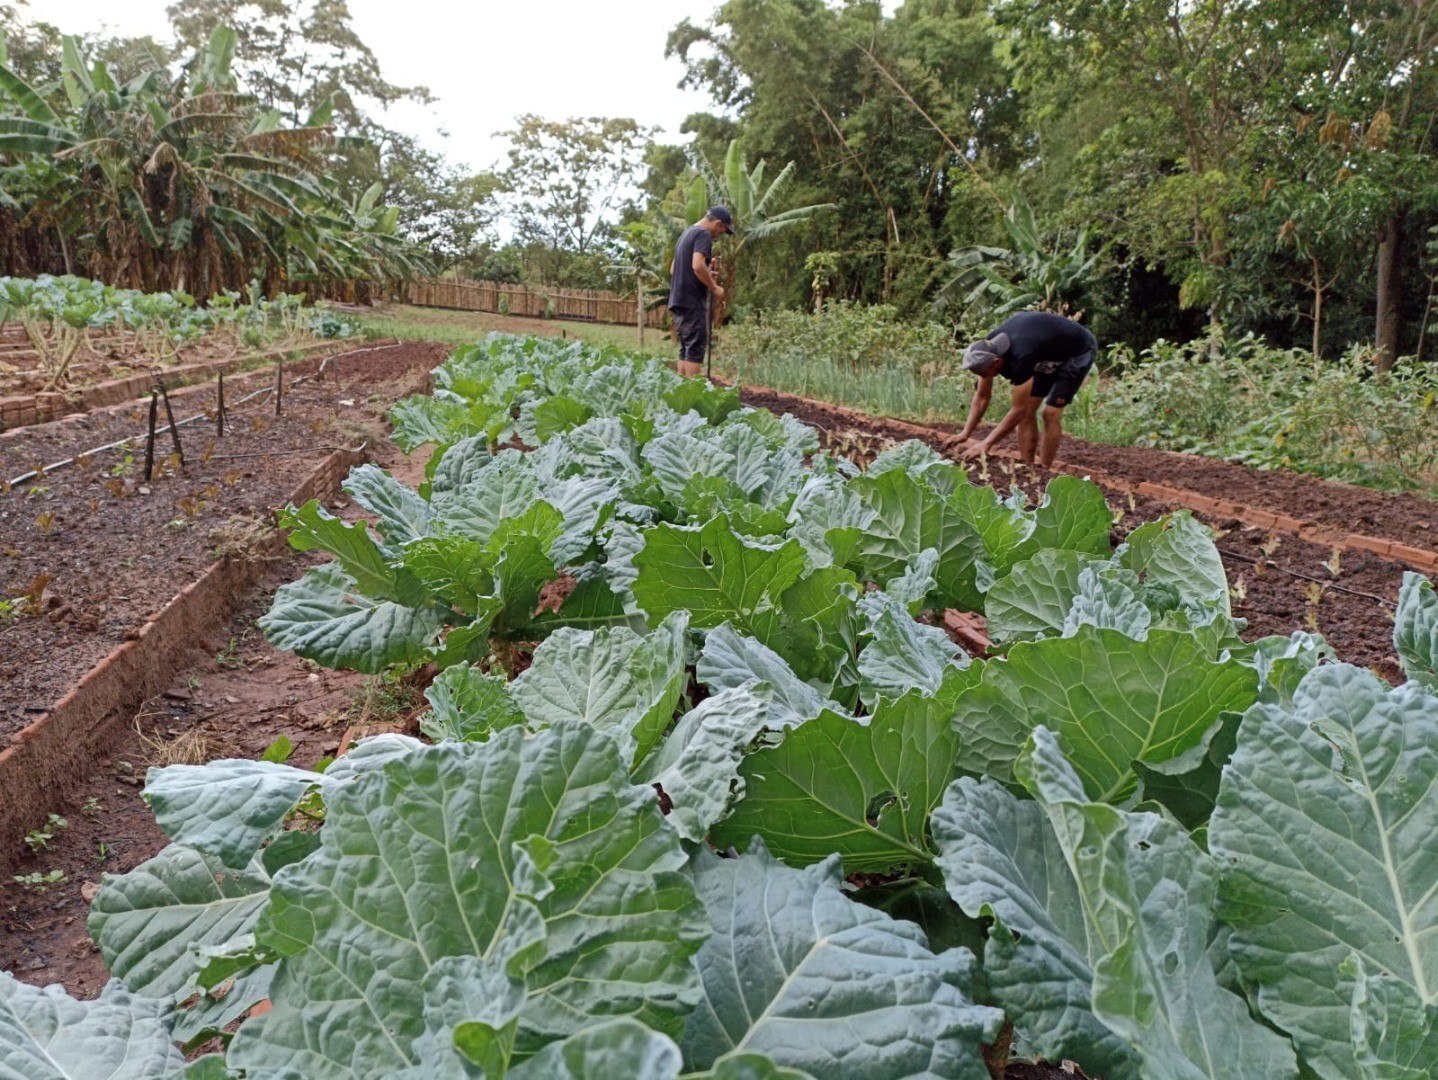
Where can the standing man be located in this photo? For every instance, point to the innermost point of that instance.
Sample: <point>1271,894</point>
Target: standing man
<point>1046,357</point>
<point>692,286</point>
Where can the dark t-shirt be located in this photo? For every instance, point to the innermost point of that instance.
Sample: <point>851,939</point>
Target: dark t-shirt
<point>1041,343</point>
<point>685,288</point>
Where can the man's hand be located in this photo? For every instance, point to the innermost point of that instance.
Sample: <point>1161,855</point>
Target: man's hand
<point>718,291</point>
<point>952,443</point>
<point>979,449</point>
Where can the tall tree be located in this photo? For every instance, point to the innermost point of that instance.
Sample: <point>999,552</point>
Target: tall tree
<point>297,56</point>
<point>568,180</point>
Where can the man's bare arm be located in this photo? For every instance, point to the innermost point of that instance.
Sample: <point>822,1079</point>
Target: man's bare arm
<point>980,405</point>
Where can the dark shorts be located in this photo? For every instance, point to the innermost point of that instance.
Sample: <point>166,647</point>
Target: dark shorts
<point>691,330</point>
<point>1058,388</point>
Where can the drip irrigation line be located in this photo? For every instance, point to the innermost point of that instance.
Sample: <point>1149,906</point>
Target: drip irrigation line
<point>1270,564</point>
<point>282,453</point>
<point>264,390</point>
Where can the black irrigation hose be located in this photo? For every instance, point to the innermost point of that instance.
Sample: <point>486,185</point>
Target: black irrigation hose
<point>1270,564</point>
<point>36,473</point>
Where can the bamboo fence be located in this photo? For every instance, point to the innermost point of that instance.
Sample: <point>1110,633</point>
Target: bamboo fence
<point>585,305</point>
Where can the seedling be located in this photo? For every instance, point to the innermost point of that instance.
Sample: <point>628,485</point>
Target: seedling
<point>37,490</point>
<point>46,522</point>
<point>1335,560</point>
<point>1269,546</point>
<point>228,657</point>
<point>39,882</point>
<point>92,807</point>
<point>116,488</point>
<point>124,467</point>
<point>1239,590</point>
<point>39,839</point>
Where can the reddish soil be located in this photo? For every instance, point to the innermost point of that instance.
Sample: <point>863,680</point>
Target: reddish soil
<point>233,698</point>
<point>93,551</point>
<point>1280,583</point>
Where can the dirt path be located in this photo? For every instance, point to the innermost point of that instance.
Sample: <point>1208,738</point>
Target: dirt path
<point>234,699</point>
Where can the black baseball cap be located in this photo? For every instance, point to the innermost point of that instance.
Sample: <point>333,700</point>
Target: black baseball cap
<point>721,213</point>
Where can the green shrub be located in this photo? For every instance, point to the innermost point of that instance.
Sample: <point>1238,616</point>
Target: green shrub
<point>1271,408</point>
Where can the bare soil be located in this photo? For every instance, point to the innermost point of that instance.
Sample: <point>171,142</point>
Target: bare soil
<point>90,551</point>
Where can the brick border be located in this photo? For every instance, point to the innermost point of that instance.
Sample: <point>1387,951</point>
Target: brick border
<point>26,410</point>
<point>1419,559</point>
<point>44,758</point>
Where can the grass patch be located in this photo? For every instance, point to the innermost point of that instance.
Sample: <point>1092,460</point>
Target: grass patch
<point>409,323</point>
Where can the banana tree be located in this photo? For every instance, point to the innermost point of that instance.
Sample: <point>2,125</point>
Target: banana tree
<point>995,282</point>
<point>757,208</point>
<point>184,182</point>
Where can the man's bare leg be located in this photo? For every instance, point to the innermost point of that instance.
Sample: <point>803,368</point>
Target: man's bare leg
<point>1029,423</point>
<point>690,369</point>
<point>1053,432</point>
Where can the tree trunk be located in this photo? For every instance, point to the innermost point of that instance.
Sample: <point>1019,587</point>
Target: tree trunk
<point>1388,325</point>
<point>639,305</point>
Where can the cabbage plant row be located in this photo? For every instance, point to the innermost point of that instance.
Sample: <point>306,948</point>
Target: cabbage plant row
<point>744,812</point>
<point>58,313</point>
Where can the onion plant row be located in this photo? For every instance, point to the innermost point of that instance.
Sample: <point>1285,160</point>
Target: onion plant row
<point>706,793</point>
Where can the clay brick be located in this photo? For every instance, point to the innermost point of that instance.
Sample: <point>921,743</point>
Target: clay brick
<point>1375,544</point>
<point>1415,556</point>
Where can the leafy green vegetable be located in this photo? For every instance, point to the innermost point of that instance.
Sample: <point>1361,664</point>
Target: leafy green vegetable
<point>797,971</point>
<point>1324,830</point>
<point>48,1035</point>
<point>1112,701</point>
<point>1147,897</point>
<point>531,854</point>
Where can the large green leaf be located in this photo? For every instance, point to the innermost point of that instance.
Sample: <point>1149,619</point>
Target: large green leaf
<point>505,488</point>
<point>697,768</point>
<point>468,705</point>
<point>532,853</point>
<point>1324,829</point>
<point>910,517</point>
<point>149,922</point>
<point>861,788</point>
<point>47,1035</point>
<point>326,617</point>
<point>1112,701</point>
<point>1148,894</point>
<point>1415,629</point>
<point>731,659</point>
<point>312,526</point>
<point>717,576</point>
<point>403,515</point>
<point>901,654</point>
<point>228,807</point>
<point>622,683</point>
<point>1074,515</point>
<point>799,972</point>
<point>1034,599</point>
<point>1178,552</point>
<point>1002,861</point>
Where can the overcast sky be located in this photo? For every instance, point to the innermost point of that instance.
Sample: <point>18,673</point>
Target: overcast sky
<point>486,62</point>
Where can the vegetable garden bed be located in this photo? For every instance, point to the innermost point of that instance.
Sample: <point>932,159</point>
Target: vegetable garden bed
<point>677,621</point>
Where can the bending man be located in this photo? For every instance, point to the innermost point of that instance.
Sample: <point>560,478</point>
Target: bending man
<point>1048,354</point>
<point>692,286</point>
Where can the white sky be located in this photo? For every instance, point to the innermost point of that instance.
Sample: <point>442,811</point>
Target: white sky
<point>486,62</point>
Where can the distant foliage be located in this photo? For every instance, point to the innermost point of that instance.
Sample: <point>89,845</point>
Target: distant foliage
<point>1274,408</point>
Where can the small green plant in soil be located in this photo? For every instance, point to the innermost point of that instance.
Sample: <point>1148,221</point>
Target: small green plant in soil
<point>38,882</point>
<point>39,839</point>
